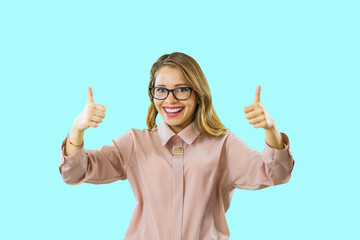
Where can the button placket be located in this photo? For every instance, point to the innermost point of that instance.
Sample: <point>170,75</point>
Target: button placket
<point>178,188</point>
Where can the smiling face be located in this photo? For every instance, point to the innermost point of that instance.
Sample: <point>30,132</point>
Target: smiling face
<point>171,78</point>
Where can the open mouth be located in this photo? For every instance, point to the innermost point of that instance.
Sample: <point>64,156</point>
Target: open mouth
<point>173,112</point>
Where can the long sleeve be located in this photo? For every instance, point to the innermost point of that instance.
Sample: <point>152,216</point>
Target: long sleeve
<point>250,169</point>
<point>105,164</point>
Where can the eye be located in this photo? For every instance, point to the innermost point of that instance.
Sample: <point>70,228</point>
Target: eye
<point>160,90</point>
<point>182,89</point>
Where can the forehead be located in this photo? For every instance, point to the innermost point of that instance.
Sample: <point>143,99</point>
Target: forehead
<point>169,77</point>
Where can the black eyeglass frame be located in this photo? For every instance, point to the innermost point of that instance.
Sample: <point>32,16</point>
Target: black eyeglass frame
<point>172,91</point>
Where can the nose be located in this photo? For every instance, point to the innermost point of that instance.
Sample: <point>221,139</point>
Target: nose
<point>170,98</point>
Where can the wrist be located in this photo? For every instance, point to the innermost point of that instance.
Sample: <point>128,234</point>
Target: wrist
<point>77,131</point>
<point>75,137</point>
<point>273,129</point>
<point>74,144</point>
<point>273,138</point>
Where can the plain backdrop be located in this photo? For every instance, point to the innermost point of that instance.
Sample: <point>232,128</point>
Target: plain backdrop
<point>304,54</point>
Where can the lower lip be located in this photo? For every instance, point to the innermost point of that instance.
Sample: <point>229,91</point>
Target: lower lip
<point>173,114</point>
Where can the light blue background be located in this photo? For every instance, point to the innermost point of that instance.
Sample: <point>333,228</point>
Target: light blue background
<point>304,54</point>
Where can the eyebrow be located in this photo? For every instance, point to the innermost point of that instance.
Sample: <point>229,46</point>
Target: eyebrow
<point>162,85</point>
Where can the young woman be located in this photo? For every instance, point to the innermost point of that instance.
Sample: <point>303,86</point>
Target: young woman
<point>183,171</point>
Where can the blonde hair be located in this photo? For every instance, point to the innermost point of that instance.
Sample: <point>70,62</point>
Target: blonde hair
<point>206,118</point>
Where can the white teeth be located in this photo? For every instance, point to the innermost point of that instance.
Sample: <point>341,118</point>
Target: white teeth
<point>173,110</point>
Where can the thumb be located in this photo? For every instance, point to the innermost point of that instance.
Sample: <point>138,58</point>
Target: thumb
<point>90,95</point>
<point>257,94</point>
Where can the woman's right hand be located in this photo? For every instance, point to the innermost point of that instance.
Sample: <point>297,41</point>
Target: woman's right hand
<point>91,115</point>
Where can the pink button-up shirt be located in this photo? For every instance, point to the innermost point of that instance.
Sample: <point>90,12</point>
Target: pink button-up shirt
<point>183,183</point>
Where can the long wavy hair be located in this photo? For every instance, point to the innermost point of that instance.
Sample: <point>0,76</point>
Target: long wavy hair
<point>206,118</point>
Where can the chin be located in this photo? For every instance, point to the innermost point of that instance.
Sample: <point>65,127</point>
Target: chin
<point>174,122</point>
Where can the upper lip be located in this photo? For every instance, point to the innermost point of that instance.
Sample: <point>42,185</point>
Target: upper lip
<point>172,107</point>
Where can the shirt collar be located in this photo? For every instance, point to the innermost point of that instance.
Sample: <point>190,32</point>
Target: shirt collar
<point>188,134</point>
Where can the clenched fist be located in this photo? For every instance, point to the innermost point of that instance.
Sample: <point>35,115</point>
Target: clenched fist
<point>91,115</point>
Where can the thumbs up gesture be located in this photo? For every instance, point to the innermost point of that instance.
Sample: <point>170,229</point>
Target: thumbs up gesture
<point>91,115</point>
<point>257,114</point>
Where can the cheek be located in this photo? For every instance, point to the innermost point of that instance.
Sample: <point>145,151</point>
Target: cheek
<point>191,108</point>
<point>157,106</point>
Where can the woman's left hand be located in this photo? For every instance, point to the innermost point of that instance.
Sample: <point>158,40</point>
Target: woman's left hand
<point>257,114</point>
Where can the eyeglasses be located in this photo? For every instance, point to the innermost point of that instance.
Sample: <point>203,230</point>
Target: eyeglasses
<point>180,93</point>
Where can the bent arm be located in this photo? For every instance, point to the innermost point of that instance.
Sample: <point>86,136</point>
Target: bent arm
<point>250,169</point>
<point>106,164</point>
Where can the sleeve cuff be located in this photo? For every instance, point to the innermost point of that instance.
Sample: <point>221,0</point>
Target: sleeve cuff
<point>285,140</point>
<point>273,153</point>
<point>70,159</point>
